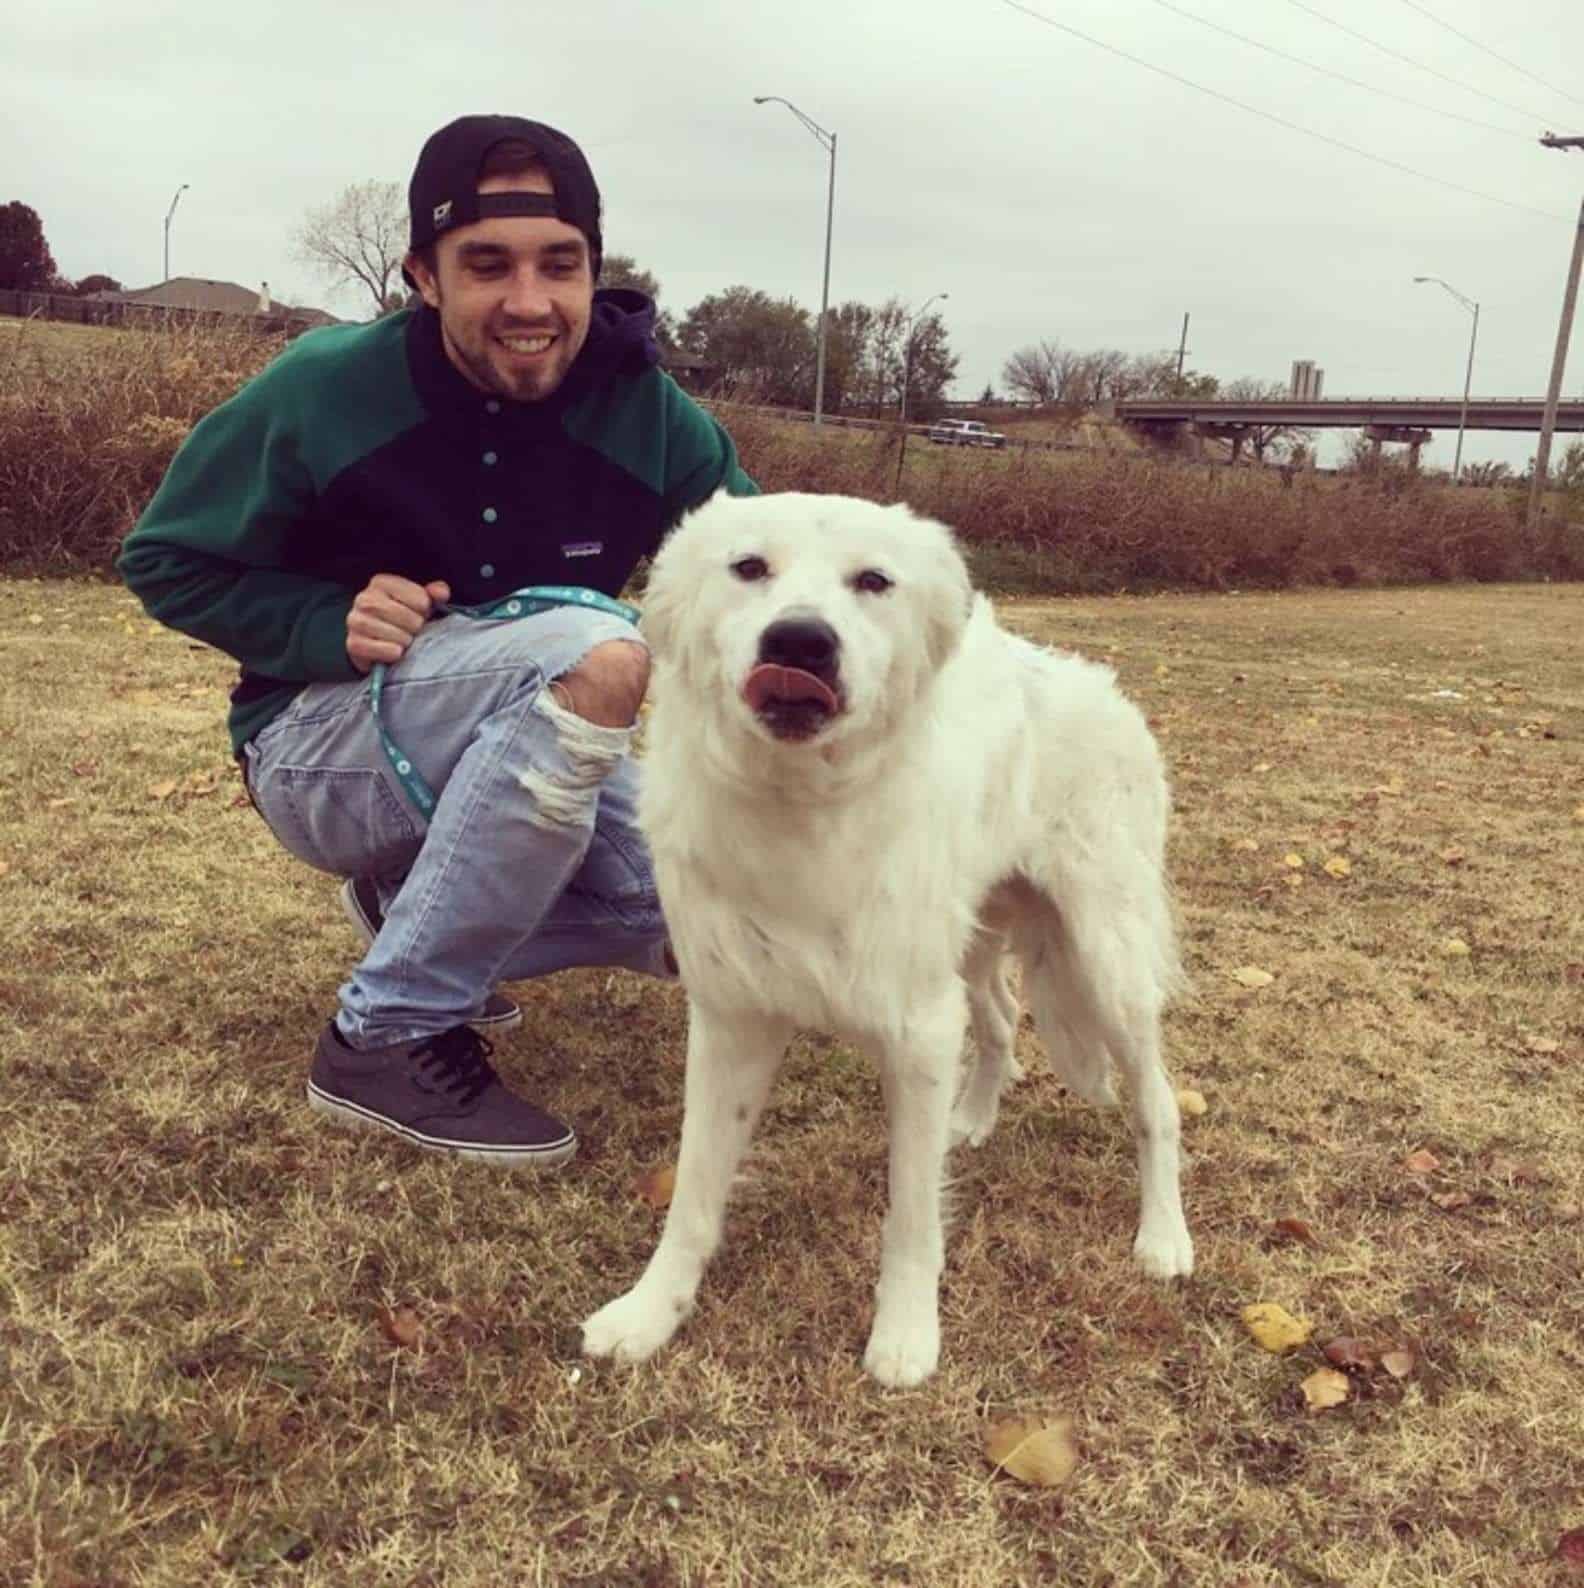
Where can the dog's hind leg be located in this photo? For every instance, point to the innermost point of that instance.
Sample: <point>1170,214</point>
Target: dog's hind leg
<point>916,1067</point>
<point>731,1063</point>
<point>1074,1043</point>
<point>1121,956</point>
<point>992,1017</point>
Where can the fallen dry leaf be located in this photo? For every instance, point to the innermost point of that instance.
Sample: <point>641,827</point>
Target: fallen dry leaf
<point>1336,866</point>
<point>1252,976</point>
<point>1296,1230</point>
<point>1454,856</point>
<point>162,791</point>
<point>401,1326</point>
<point>1247,845</point>
<point>1421,1162</point>
<point>1543,1045</point>
<point>1345,1351</point>
<point>1570,1547</point>
<point>1191,1103</point>
<point>656,1185</point>
<point>1294,862</point>
<point>1325,1387</point>
<point>1398,1363</point>
<point>1041,1453</point>
<point>1451,1201</point>
<point>5,866</point>
<point>1275,1328</point>
<point>1454,948</point>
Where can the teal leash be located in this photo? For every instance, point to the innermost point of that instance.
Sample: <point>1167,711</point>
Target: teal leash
<point>522,603</point>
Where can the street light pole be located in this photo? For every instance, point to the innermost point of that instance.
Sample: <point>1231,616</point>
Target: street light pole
<point>907,376</point>
<point>827,141</point>
<point>168,214</point>
<point>1542,463</point>
<point>1468,376</point>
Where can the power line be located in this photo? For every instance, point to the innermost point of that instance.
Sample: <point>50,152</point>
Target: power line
<point>1342,77</point>
<point>1386,49</point>
<point>1413,5</point>
<point>1281,121</point>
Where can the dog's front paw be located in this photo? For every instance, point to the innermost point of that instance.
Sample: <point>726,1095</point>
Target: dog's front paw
<point>1164,1249</point>
<point>903,1354</point>
<point>633,1327</point>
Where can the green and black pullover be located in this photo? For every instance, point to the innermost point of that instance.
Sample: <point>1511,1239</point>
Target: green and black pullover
<point>362,450</point>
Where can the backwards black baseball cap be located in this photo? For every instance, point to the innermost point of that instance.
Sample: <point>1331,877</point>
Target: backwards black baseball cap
<point>444,191</point>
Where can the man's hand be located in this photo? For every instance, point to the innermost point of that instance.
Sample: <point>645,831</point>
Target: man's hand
<point>385,616</point>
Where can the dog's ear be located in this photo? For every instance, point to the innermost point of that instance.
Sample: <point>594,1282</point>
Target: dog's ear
<point>661,602</point>
<point>951,602</point>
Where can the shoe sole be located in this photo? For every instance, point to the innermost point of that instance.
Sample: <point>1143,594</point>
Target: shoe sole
<point>341,1112</point>
<point>361,925</point>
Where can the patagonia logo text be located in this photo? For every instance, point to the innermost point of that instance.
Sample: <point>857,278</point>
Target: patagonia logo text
<point>583,548</point>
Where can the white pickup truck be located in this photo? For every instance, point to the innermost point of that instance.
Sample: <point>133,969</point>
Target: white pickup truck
<point>965,433</point>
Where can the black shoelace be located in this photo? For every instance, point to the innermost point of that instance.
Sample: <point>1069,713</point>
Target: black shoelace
<point>457,1062</point>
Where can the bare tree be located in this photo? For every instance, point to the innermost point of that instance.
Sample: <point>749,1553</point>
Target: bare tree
<point>360,239</point>
<point>1044,372</point>
<point>1262,437</point>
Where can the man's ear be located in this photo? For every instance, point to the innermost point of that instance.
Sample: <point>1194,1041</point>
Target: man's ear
<point>417,267</point>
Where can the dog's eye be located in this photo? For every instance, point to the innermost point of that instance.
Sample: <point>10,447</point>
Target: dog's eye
<point>750,568</point>
<point>872,582</point>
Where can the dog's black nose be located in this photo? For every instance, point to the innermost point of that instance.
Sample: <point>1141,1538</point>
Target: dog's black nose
<point>807,643</point>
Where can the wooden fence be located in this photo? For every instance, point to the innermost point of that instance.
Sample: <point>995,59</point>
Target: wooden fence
<point>146,316</point>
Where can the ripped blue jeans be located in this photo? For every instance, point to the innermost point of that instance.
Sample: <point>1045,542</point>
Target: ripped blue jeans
<point>531,861</point>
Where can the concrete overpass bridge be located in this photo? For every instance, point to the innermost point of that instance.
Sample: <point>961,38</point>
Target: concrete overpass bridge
<point>1181,423</point>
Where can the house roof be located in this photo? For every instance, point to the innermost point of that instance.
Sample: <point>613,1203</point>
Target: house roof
<point>224,297</point>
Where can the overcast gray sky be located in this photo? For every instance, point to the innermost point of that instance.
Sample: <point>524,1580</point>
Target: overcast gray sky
<point>1052,187</point>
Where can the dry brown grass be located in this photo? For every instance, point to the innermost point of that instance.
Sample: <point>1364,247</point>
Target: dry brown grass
<point>89,418</point>
<point>197,1387</point>
<point>1113,520</point>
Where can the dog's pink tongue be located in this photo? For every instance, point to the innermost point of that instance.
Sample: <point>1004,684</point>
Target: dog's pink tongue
<point>767,682</point>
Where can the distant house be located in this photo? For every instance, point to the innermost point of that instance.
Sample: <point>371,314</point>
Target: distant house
<point>222,297</point>
<point>690,373</point>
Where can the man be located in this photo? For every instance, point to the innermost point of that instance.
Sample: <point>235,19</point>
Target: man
<point>322,526</point>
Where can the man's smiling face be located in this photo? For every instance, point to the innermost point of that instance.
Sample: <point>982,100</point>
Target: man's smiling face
<point>514,294</point>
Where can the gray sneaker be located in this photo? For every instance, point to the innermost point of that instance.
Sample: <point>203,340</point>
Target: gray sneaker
<point>360,904</point>
<point>440,1093</point>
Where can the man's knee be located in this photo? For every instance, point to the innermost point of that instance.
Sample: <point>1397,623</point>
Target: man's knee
<point>607,686</point>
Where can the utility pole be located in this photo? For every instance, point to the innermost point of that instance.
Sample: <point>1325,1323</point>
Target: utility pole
<point>1182,353</point>
<point>1559,361</point>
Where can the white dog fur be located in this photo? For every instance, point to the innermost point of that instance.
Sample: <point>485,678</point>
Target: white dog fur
<point>973,794</point>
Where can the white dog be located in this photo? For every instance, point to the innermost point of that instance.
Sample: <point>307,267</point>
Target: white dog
<point>860,791</point>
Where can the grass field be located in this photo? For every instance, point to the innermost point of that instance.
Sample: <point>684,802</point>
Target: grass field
<point>240,1345</point>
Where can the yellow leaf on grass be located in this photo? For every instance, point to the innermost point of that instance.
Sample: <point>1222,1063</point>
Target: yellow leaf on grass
<point>1293,861</point>
<point>1455,948</point>
<point>1578,814</point>
<point>1252,976</point>
<point>1191,1103</point>
<point>1274,1327</point>
<point>1037,1452</point>
<point>656,1185</point>
<point>1325,1387</point>
<point>1398,1363</point>
<point>1421,1162</point>
<point>1336,866</point>
<point>1248,845</point>
<point>162,791</point>
<point>401,1326</point>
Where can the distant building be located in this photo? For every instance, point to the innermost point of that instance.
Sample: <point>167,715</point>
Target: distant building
<point>222,297</point>
<point>1307,382</point>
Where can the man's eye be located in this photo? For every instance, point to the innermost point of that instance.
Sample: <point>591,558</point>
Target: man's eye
<point>750,568</point>
<point>872,582</point>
